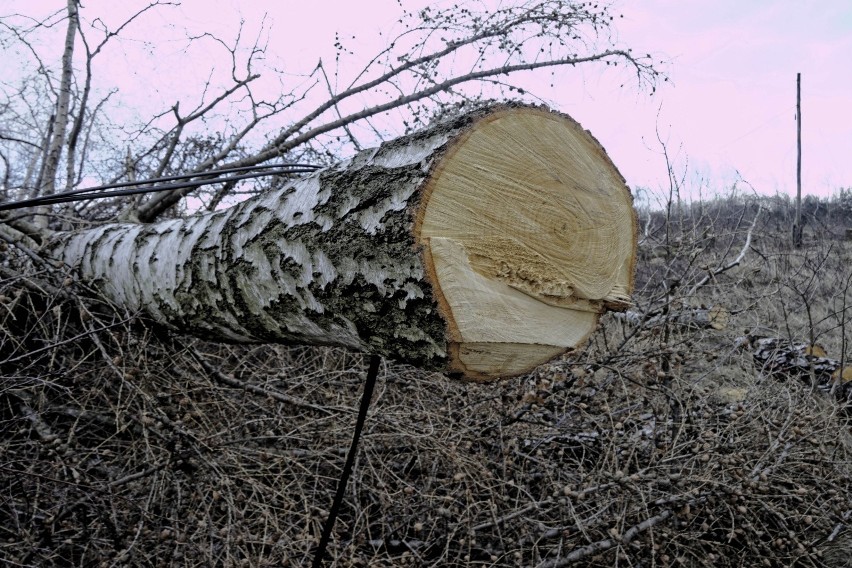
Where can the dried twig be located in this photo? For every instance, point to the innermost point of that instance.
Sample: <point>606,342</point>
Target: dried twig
<point>254,389</point>
<point>607,543</point>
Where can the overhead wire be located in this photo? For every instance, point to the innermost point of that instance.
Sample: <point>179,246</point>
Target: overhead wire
<point>205,178</point>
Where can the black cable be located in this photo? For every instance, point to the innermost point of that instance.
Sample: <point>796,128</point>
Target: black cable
<point>65,198</point>
<point>189,175</point>
<point>207,178</point>
<point>372,373</point>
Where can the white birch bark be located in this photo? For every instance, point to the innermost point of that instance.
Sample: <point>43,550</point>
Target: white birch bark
<point>714,317</point>
<point>783,359</point>
<point>373,254</point>
<point>62,104</point>
<point>53,152</point>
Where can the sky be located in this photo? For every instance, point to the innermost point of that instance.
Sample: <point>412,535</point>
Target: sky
<point>726,115</point>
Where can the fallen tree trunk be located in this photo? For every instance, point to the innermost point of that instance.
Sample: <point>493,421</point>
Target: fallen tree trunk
<point>784,359</point>
<point>714,317</point>
<point>481,246</point>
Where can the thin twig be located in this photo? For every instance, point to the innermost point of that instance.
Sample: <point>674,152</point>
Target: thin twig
<point>607,543</point>
<point>254,389</point>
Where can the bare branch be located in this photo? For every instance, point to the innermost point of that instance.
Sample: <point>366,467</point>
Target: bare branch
<point>254,389</point>
<point>607,543</point>
<point>337,108</point>
<point>108,35</point>
<point>734,263</point>
<point>437,88</point>
<point>20,141</point>
<point>157,205</point>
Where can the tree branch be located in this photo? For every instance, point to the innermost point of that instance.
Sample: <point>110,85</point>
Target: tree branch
<point>607,543</point>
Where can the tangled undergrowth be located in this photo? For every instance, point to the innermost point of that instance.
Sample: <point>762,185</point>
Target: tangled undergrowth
<point>659,444</point>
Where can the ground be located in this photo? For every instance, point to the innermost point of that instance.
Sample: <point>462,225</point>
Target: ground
<point>659,443</point>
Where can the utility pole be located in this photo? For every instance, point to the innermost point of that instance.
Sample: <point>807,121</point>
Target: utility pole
<point>797,226</point>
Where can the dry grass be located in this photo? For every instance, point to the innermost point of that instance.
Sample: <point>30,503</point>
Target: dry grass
<point>657,445</point>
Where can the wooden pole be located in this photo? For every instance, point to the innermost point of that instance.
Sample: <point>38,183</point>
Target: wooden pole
<point>797,226</point>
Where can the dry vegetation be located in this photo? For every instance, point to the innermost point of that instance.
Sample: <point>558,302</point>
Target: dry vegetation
<point>659,444</point>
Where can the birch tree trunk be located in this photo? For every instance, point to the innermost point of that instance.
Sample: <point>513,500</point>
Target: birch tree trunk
<point>482,246</point>
<point>714,317</point>
<point>53,153</point>
<point>782,359</point>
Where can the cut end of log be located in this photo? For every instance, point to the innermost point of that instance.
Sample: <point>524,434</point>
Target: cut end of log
<point>843,375</point>
<point>529,235</point>
<point>719,317</point>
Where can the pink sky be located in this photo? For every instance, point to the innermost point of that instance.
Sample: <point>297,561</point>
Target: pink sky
<point>732,104</point>
<point>729,106</point>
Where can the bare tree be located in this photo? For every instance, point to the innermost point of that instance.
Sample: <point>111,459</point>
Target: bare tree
<point>443,63</point>
<point>441,59</point>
